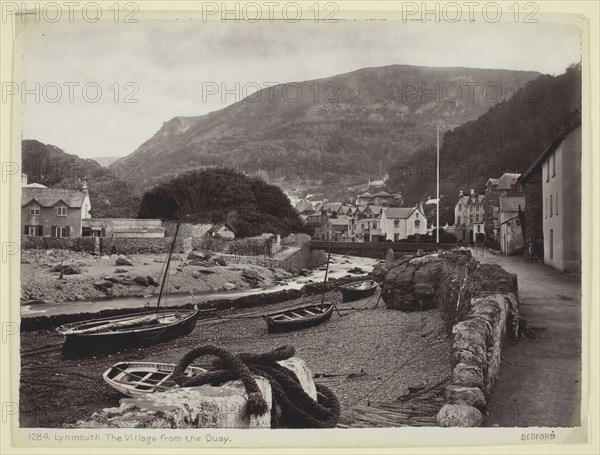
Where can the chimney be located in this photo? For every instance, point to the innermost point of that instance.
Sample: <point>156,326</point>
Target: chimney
<point>460,193</point>
<point>84,186</point>
<point>23,179</point>
<point>421,207</point>
<point>472,192</point>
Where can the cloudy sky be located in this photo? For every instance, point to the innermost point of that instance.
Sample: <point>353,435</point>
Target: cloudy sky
<point>168,66</point>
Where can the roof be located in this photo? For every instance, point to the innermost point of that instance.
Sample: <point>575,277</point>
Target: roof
<point>507,181</point>
<point>492,181</point>
<point>344,209</point>
<point>303,206</point>
<point>399,212</point>
<point>383,193</point>
<point>367,194</point>
<point>34,185</point>
<point>547,151</point>
<point>510,219</point>
<point>218,226</point>
<point>376,209</point>
<point>511,204</point>
<point>49,197</point>
<point>466,199</point>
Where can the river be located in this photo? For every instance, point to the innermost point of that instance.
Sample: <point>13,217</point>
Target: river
<point>338,268</point>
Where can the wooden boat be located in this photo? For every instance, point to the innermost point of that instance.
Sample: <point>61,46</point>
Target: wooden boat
<point>299,317</point>
<point>136,379</point>
<point>358,290</point>
<point>121,332</point>
<point>127,331</point>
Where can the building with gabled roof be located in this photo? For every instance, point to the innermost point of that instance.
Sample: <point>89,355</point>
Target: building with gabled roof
<point>398,223</point>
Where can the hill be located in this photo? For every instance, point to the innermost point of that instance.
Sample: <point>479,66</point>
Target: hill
<point>250,205</point>
<point>344,126</point>
<point>111,195</point>
<point>506,138</point>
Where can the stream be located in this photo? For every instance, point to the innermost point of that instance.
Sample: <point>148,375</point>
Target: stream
<point>338,267</point>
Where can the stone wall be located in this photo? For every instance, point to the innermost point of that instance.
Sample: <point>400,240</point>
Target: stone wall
<point>87,244</point>
<point>293,259</point>
<point>129,246</point>
<point>479,304</point>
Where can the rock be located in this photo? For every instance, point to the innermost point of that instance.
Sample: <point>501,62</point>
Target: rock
<point>102,285</point>
<point>356,270</point>
<point>389,259</point>
<point>79,297</point>
<point>206,271</point>
<point>472,396</point>
<point>199,255</point>
<point>141,280</point>
<point>229,286</point>
<point>195,274</point>
<point>220,261</point>
<point>121,270</point>
<point>467,375</point>
<point>459,415</point>
<point>122,260</point>
<point>152,281</point>
<point>159,260</point>
<point>197,263</point>
<point>105,257</point>
<point>304,272</point>
<point>66,269</point>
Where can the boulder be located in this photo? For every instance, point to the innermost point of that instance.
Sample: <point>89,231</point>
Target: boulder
<point>141,280</point>
<point>199,255</point>
<point>229,286</point>
<point>220,261</point>
<point>152,281</point>
<point>459,415</point>
<point>121,270</point>
<point>102,285</point>
<point>304,272</point>
<point>122,260</point>
<point>472,396</point>
<point>198,263</point>
<point>66,269</point>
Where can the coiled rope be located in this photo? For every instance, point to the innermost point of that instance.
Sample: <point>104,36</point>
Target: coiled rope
<point>291,407</point>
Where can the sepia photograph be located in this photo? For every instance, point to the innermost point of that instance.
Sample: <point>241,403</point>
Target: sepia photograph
<point>296,215</point>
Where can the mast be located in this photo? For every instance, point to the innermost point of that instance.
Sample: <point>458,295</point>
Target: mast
<point>162,285</point>
<point>437,220</point>
<point>325,280</point>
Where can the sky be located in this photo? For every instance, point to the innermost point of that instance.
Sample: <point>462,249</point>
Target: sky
<point>155,70</point>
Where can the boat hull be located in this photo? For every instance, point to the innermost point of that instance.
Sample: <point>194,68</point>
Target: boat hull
<point>276,325</point>
<point>137,379</point>
<point>81,343</point>
<point>350,294</point>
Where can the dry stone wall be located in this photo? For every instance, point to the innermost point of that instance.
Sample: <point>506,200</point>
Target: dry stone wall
<point>479,304</point>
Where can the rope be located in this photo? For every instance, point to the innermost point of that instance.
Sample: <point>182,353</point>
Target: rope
<point>292,407</point>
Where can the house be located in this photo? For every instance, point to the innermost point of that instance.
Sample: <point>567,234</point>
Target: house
<point>364,199</point>
<point>398,223</point>
<point>368,229</point>
<point>510,234</point>
<point>559,167</point>
<point>383,198</point>
<point>53,212</point>
<point>372,211</point>
<point>468,217</point>
<point>305,207</point>
<point>337,228</point>
<point>506,185</point>
<point>318,222</point>
<point>223,230</point>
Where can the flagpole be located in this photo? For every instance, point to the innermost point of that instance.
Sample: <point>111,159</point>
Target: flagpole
<point>437,221</point>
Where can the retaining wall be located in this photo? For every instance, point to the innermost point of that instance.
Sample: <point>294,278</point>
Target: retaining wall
<point>87,244</point>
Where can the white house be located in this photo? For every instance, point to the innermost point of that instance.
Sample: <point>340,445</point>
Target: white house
<point>398,223</point>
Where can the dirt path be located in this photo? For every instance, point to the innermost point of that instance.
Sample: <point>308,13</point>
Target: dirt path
<point>540,378</point>
<point>352,355</point>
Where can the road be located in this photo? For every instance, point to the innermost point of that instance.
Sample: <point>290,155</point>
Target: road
<point>540,378</point>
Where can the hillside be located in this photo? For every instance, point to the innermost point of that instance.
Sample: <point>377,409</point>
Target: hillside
<point>111,195</point>
<point>350,125</point>
<point>507,138</point>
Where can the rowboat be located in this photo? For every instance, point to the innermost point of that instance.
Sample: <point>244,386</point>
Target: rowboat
<point>136,379</point>
<point>122,332</point>
<point>127,331</point>
<point>298,318</point>
<point>358,290</point>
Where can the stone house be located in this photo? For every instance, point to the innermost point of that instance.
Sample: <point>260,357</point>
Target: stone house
<point>510,234</point>
<point>560,166</point>
<point>397,223</point>
<point>223,230</point>
<point>383,198</point>
<point>318,222</point>
<point>506,185</point>
<point>468,216</point>
<point>338,228</point>
<point>364,199</point>
<point>53,212</point>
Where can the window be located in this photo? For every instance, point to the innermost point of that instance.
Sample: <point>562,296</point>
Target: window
<point>396,223</point>
<point>556,203</point>
<point>470,219</point>
<point>61,210</point>
<point>417,224</point>
<point>458,221</point>
<point>396,237</point>
<point>61,231</point>
<point>546,214</point>
<point>470,208</point>
<point>548,171</point>
<point>34,210</point>
<point>551,206</point>
<point>34,231</point>
<point>553,164</point>
<point>551,241</point>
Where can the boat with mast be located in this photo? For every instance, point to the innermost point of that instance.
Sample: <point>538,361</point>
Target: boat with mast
<point>130,330</point>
